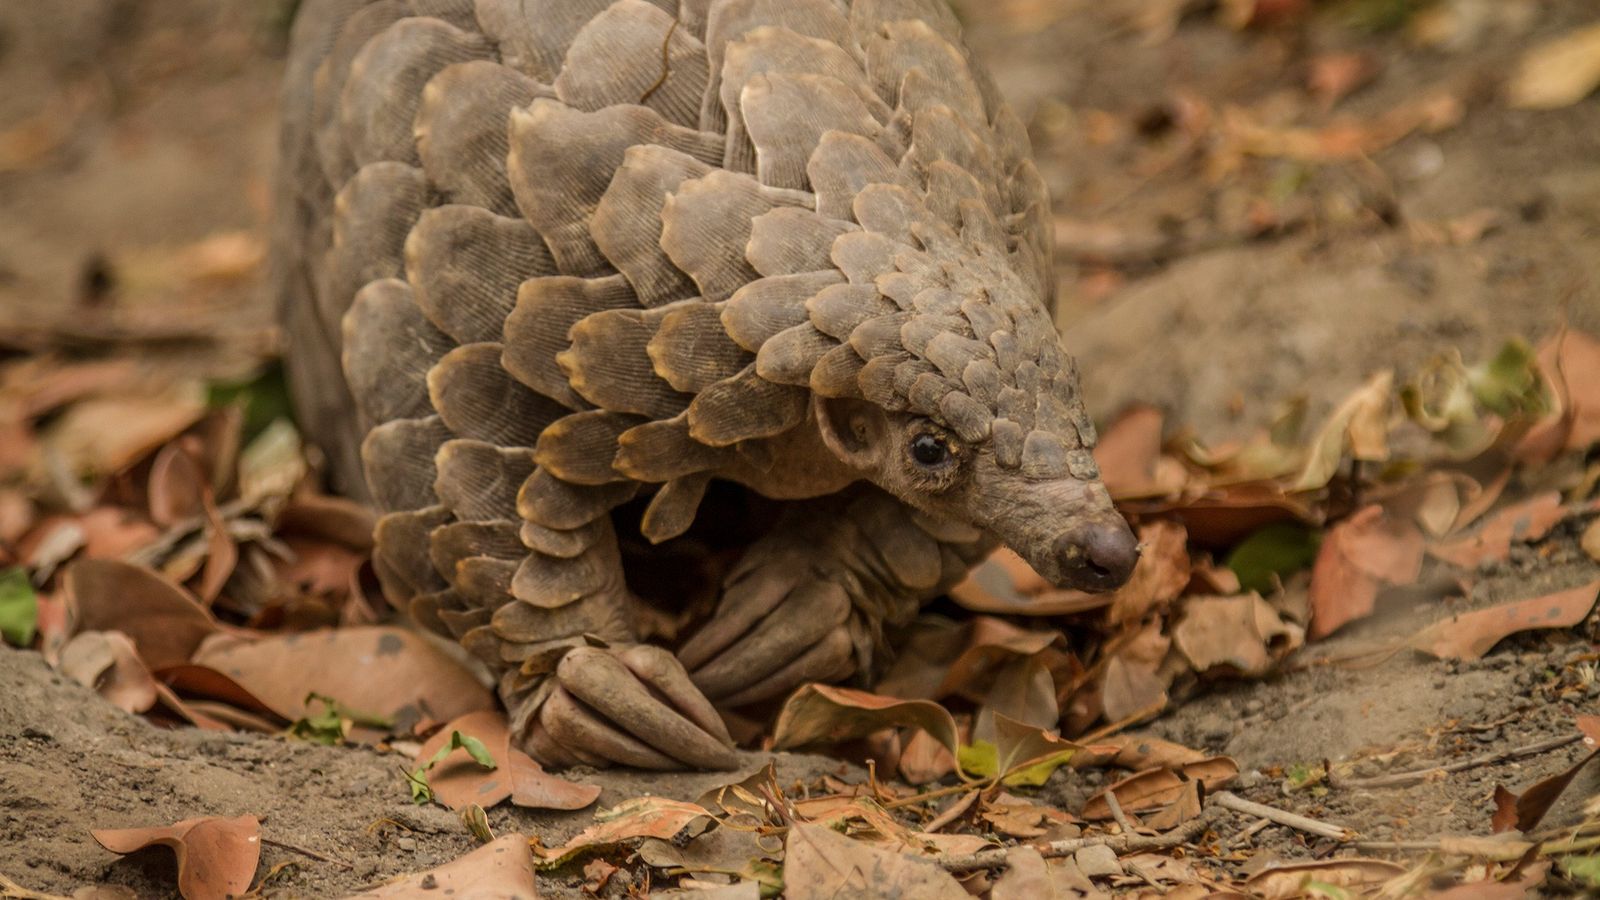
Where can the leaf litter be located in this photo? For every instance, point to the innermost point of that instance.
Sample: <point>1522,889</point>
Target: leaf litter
<point>191,566</point>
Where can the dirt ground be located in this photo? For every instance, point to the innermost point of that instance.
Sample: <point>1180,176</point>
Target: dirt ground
<point>129,130</point>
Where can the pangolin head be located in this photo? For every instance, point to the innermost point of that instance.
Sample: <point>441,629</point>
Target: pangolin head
<point>969,409</point>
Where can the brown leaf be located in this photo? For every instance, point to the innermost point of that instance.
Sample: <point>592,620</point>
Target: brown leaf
<point>164,621</point>
<point>1528,520</point>
<point>641,817</point>
<point>1591,540</point>
<point>1360,556</point>
<point>1160,575</point>
<point>108,663</point>
<point>1134,681</point>
<point>1027,877</point>
<point>385,671</point>
<point>1155,788</point>
<point>1471,635</point>
<point>1130,458</point>
<point>459,781</point>
<point>501,868</point>
<point>1332,76</point>
<point>176,485</point>
<point>1136,752</point>
<point>1526,810</point>
<point>217,857</point>
<point>1243,633</point>
<point>821,864</point>
<point>1281,882</point>
<point>222,554</point>
<point>336,519</point>
<point>822,714</point>
<point>1359,426</point>
<point>104,435</point>
<point>1570,364</point>
<point>1557,73</point>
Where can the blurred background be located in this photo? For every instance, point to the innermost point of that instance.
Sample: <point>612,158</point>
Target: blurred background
<point>1255,200</point>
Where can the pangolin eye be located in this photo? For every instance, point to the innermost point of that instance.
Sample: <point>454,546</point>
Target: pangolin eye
<point>929,451</point>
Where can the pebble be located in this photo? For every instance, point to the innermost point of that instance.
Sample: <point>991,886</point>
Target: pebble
<point>407,844</point>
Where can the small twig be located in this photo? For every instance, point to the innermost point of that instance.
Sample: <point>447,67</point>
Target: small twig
<point>1119,843</point>
<point>1510,851</point>
<point>1243,837</point>
<point>320,857</point>
<point>1415,776</point>
<point>1117,815</point>
<point>1144,876</point>
<point>1230,800</point>
<point>1105,731</point>
<point>10,889</point>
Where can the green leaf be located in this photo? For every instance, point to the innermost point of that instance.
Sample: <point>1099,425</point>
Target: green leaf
<point>417,778</point>
<point>331,724</point>
<point>19,608</point>
<point>1583,868</point>
<point>264,398</point>
<point>1509,383</point>
<point>1272,552</point>
<point>979,758</point>
<point>1038,772</point>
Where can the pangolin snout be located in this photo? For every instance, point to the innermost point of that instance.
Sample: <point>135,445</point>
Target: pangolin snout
<point>1096,555</point>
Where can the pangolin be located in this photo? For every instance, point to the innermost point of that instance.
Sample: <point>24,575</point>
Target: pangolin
<point>555,271</point>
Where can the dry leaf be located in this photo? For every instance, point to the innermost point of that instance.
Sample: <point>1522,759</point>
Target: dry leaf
<point>1591,540</point>
<point>1528,520</point>
<point>1526,810</point>
<point>822,714</point>
<point>104,435</point>
<point>108,663</point>
<point>1358,426</point>
<point>1557,73</point>
<point>1130,458</point>
<point>821,864</point>
<point>502,868</point>
<point>1570,364</point>
<point>1471,635</point>
<point>383,671</point>
<point>1133,680</point>
<point>1155,788</point>
<point>1281,882</point>
<point>1027,877</point>
<point>176,485</point>
<point>641,817</point>
<point>1360,556</point>
<point>458,781</point>
<point>217,857</point>
<point>1243,633</point>
<point>164,621</point>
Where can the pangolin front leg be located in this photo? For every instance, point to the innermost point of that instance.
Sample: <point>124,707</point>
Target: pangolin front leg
<point>810,601</point>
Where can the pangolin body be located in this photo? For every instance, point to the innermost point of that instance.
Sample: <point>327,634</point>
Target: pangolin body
<point>541,258</point>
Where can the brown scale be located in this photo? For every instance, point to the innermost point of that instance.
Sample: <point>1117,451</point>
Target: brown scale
<point>719,323</point>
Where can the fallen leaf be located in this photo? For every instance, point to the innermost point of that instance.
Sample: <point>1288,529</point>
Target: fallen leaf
<point>1134,681</point>
<point>104,435</point>
<point>820,864</point>
<point>1332,76</point>
<point>1027,877</point>
<point>1557,73</point>
<point>1359,557</point>
<point>1280,882</point>
<point>386,671</point>
<point>1160,575</point>
<point>1137,752</point>
<point>1243,633</point>
<point>1130,458</point>
<point>1359,426</point>
<point>176,485</point>
<point>217,857</point>
<point>503,868</point>
<point>1262,560</point>
<point>19,608</point>
<point>641,817</point>
<point>1471,635</point>
<point>459,781</point>
<point>1526,810</point>
<point>1154,788</point>
<point>822,714</point>
<point>1528,520</point>
<point>108,663</point>
<point>1591,540</point>
<point>720,850</point>
<point>1569,362</point>
<point>165,622</point>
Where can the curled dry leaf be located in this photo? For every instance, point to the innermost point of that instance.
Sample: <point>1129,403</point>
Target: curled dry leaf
<point>1471,635</point>
<point>1591,540</point>
<point>1130,458</point>
<point>1570,364</point>
<point>104,435</point>
<point>1528,520</point>
<point>641,817</point>
<point>1136,752</point>
<point>217,857</point>
<point>1358,558</point>
<point>458,781</point>
<point>1134,680</point>
<point>501,868</point>
<point>1243,633</point>
<point>1524,811</point>
<point>385,671</point>
<point>1359,426</point>
<point>823,714</point>
<point>165,622</point>
<point>1154,788</point>
<point>1292,879</point>
<point>821,864</point>
<point>108,663</point>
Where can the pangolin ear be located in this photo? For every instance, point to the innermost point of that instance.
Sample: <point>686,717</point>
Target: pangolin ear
<point>855,430</point>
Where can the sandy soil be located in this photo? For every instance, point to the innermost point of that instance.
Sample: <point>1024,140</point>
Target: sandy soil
<point>129,129</point>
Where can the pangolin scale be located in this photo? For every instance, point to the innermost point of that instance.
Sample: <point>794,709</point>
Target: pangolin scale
<point>554,272</point>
